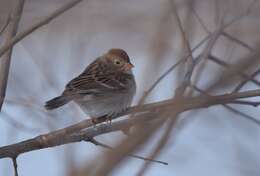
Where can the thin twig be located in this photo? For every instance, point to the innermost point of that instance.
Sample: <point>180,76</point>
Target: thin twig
<point>5,25</point>
<point>184,37</point>
<point>202,59</point>
<point>190,59</point>
<point>230,37</point>
<point>97,143</point>
<point>240,85</point>
<point>182,60</point>
<point>247,12</point>
<point>162,142</point>
<point>229,107</point>
<point>200,20</point>
<point>228,66</point>
<point>37,25</point>
<point>179,93</point>
<point>113,158</point>
<point>250,103</point>
<point>14,160</point>
<point>242,114</point>
<point>244,14</point>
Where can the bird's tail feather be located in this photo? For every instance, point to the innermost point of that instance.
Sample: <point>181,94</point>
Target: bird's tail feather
<point>56,102</point>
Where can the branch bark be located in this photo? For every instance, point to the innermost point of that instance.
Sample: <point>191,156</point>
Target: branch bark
<point>5,60</point>
<point>69,134</point>
<point>15,166</point>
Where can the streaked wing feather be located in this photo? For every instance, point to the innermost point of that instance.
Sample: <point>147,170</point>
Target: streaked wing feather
<point>97,78</point>
<point>90,84</point>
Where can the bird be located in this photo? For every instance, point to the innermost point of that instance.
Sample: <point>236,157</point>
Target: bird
<point>105,88</point>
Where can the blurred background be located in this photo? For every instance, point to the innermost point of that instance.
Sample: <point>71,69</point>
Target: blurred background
<point>212,141</point>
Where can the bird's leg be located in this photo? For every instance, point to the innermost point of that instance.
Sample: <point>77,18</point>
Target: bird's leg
<point>97,120</point>
<point>94,121</point>
<point>109,119</point>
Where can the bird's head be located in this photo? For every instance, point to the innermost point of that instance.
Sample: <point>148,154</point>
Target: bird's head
<point>119,60</point>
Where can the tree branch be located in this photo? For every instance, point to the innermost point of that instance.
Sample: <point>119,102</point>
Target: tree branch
<point>253,119</point>
<point>97,143</point>
<point>15,166</point>
<point>64,136</point>
<point>37,25</point>
<point>5,25</point>
<point>5,60</point>
<point>162,142</point>
<point>235,40</point>
<point>240,85</point>
<point>239,72</point>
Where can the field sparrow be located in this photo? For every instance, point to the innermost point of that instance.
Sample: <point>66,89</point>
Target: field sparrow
<point>105,87</point>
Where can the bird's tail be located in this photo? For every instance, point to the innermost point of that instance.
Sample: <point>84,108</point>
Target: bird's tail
<point>56,102</point>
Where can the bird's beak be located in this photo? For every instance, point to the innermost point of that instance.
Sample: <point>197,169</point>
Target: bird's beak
<point>128,66</point>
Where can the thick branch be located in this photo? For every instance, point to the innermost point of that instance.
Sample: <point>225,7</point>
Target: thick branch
<point>63,136</point>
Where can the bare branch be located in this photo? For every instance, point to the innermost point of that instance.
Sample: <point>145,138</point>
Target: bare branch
<point>111,159</point>
<point>200,20</point>
<point>182,60</point>
<point>5,60</point>
<point>179,93</point>
<point>95,142</point>
<point>63,136</point>
<point>240,85</point>
<point>5,25</point>
<point>14,160</point>
<point>238,71</point>
<point>219,32</point>
<point>230,37</point>
<point>253,119</point>
<point>190,59</point>
<point>242,114</point>
<point>37,25</point>
<point>250,103</point>
<point>160,145</point>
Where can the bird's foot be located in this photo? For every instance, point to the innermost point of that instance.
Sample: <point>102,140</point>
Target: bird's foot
<point>109,120</point>
<point>94,121</point>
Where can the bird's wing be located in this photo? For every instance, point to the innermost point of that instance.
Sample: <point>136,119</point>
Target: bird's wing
<point>94,81</point>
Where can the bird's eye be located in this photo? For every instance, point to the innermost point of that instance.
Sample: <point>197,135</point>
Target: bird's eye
<point>117,62</point>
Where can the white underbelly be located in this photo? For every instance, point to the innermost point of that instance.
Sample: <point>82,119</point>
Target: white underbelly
<point>105,105</point>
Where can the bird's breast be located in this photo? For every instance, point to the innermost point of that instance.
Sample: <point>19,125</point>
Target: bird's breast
<point>107,103</point>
